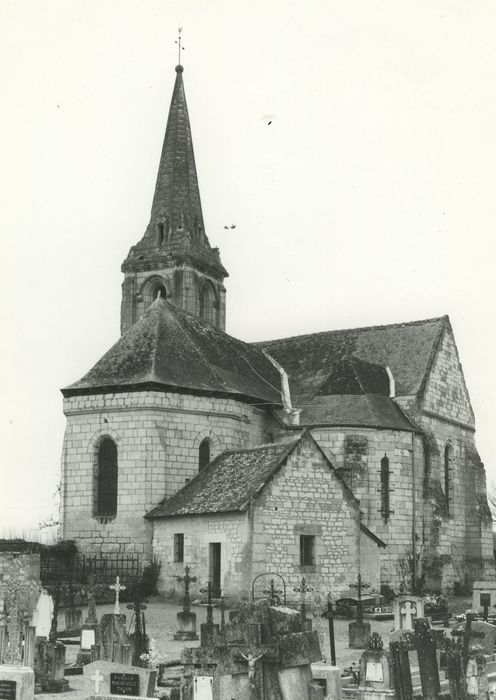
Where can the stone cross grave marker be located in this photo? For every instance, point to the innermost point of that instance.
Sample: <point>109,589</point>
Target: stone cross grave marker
<point>12,589</point>
<point>408,611</point>
<point>97,678</point>
<point>117,588</point>
<point>186,579</point>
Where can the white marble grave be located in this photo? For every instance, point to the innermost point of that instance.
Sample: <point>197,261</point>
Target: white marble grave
<point>407,609</point>
<point>43,613</point>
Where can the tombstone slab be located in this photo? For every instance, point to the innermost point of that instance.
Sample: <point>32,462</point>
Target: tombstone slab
<point>407,609</point>
<point>186,626</point>
<point>484,634</point>
<point>49,666</point>
<point>109,678</point>
<point>358,633</point>
<point>16,682</point>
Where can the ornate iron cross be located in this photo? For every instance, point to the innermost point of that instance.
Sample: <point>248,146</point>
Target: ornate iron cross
<point>303,590</point>
<point>117,588</point>
<point>208,591</point>
<point>360,586</point>
<point>187,579</point>
<point>273,594</point>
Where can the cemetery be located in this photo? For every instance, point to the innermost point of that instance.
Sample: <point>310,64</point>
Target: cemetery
<point>65,632</point>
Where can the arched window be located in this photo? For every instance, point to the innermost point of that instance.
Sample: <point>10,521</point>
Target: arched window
<point>106,496</point>
<point>163,292</point>
<point>448,465</point>
<point>207,303</point>
<point>203,454</point>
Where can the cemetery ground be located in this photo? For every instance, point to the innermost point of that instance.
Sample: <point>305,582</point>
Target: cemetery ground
<point>161,625</point>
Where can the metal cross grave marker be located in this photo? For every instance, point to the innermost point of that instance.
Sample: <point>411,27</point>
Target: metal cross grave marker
<point>117,588</point>
<point>360,586</point>
<point>303,590</point>
<point>187,579</point>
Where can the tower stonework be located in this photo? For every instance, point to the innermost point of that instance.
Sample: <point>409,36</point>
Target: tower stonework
<point>174,258</point>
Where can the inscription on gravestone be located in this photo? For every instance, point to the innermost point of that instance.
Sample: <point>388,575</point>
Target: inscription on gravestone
<point>7,690</point>
<point>373,672</point>
<point>124,684</point>
<point>87,639</point>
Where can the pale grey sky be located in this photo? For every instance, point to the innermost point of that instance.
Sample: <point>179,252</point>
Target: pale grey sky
<point>367,200</point>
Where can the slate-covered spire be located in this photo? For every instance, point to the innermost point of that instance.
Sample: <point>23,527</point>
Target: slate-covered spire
<point>176,232</point>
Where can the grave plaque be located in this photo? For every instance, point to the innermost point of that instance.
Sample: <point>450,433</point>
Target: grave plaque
<point>8,690</point>
<point>124,684</point>
<point>87,639</point>
<point>485,600</point>
<point>373,672</point>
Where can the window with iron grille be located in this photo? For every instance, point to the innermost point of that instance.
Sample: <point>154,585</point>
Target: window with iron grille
<point>307,550</point>
<point>203,454</point>
<point>179,546</point>
<point>106,500</point>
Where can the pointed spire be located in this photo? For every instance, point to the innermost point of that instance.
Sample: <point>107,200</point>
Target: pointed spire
<point>176,227</point>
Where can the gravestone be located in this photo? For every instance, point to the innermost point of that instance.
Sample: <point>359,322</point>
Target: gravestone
<point>90,638</point>
<point>407,609</point>
<point>329,678</point>
<point>49,666</point>
<point>186,620</point>
<point>261,645</point>
<point>16,682</point>
<point>113,643</point>
<point>358,630</point>
<point>376,681</point>
<point>476,677</point>
<point>109,678</point>
<point>480,592</point>
<point>42,616</point>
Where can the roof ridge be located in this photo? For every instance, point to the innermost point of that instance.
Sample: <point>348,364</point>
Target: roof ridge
<point>357,328</point>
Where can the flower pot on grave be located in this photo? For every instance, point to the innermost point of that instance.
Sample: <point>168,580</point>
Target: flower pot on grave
<point>73,619</point>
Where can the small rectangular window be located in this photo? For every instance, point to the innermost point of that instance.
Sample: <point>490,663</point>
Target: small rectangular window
<point>179,547</point>
<point>307,550</point>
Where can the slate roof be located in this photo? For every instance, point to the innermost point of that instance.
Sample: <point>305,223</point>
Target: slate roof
<point>312,360</point>
<point>227,483</point>
<point>176,203</point>
<point>366,410</point>
<point>168,348</point>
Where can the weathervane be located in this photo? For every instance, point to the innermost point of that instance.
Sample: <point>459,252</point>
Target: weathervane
<point>178,42</point>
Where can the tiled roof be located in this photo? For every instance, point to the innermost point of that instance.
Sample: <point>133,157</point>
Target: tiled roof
<point>365,410</point>
<point>169,348</point>
<point>227,483</point>
<point>312,360</point>
<point>354,376</point>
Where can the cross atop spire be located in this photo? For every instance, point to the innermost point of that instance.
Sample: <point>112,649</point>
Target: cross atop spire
<point>179,47</point>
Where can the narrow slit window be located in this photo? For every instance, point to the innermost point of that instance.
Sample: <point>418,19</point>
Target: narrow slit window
<point>106,497</point>
<point>307,550</point>
<point>385,502</point>
<point>179,547</point>
<point>203,454</point>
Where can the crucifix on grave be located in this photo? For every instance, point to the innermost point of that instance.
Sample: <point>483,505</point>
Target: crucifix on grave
<point>12,590</point>
<point>303,589</point>
<point>117,588</point>
<point>273,594</point>
<point>251,658</point>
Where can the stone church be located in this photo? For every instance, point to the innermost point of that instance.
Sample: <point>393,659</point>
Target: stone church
<point>321,455</point>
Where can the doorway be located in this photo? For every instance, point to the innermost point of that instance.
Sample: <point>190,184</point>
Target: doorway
<point>214,568</point>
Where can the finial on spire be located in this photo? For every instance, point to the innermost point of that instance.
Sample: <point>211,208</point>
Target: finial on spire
<point>179,46</point>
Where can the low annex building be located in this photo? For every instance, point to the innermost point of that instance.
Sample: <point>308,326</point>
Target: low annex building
<point>263,456</point>
<point>282,503</point>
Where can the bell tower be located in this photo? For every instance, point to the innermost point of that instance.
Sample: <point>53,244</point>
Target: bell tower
<point>174,258</point>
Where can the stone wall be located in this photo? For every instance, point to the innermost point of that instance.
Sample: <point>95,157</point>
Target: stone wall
<point>157,437</point>
<point>231,530</point>
<point>306,497</point>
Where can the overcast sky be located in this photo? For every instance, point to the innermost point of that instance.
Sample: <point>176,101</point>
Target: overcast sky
<point>351,143</point>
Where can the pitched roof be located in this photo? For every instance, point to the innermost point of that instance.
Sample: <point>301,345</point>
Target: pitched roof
<point>227,483</point>
<point>365,410</point>
<point>312,360</point>
<point>351,375</point>
<point>176,207</point>
<point>169,348</point>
